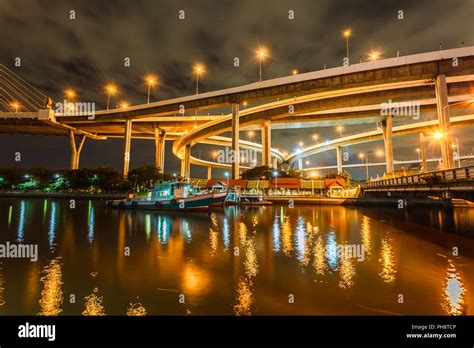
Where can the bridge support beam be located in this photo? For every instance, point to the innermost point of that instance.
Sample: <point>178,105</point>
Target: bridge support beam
<point>235,141</point>
<point>126,148</point>
<point>387,125</point>
<point>444,121</point>
<point>424,165</point>
<point>160,136</point>
<point>209,173</point>
<point>339,159</point>
<point>75,150</point>
<point>186,162</point>
<point>267,144</point>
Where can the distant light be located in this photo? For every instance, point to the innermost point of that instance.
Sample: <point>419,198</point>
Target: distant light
<point>346,33</point>
<point>294,72</point>
<point>15,106</point>
<point>262,53</point>
<point>307,163</point>
<point>374,55</point>
<point>26,176</point>
<point>111,88</point>
<point>226,174</point>
<point>301,144</point>
<point>56,176</point>
<point>70,93</point>
<point>174,174</point>
<point>379,153</point>
<point>361,155</point>
<point>275,173</point>
<point>315,137</point>
<point>199,69</point>
<point>124,104</point>
<point>151,80</point>
<point>417,150</point>
<point>438,135</point>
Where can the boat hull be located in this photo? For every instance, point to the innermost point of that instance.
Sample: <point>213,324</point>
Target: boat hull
<point>196,203</point>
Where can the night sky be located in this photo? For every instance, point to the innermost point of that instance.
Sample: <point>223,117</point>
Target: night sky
<point>86,52</point>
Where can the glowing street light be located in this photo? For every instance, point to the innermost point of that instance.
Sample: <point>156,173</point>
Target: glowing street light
<point>199,70</point>
<point>374,55</point>
<point>275,175</point>
<point>262,54</point>
<point>294,72</point>
<point>315,137</point>
<point>245,104</point>
<point>150,81</point>
<point>15,106</point>
<point>227,177</point>
<point>70,93</point>
<point>340,129</point>
<point>124,104</point>
<point>110,89</point>
<point>347,33</point>
<point>250,134</point>
<point>307,163</point>
<point>418,151</point>
<point>438,135</point>
<point>377,153</point>
<point>301,144</point>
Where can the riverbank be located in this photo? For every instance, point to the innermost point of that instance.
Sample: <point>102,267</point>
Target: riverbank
<point>387,202</point>
<point>63,195</point>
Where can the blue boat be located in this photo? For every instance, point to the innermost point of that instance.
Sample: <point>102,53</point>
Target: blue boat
<point>169,196</point>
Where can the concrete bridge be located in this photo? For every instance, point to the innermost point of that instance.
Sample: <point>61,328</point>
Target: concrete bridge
<point>355,94</point>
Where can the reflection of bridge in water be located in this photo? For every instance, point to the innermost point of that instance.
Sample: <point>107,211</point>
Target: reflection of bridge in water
<point>438,83</point>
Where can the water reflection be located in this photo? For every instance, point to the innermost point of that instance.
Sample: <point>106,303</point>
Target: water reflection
<point>52,225</point>
<point>21,222</point>
<point>183,253</point>
<point>136,310</point>
<point>388,271</point>
<point>93,304</point>
<point>454,291</point>
<point>90,223</point>
<point>52,294</point>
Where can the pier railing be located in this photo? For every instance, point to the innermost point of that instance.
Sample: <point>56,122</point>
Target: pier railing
<point>430,178</point>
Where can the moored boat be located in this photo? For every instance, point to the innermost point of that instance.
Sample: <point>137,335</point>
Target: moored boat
<point>168,196</point>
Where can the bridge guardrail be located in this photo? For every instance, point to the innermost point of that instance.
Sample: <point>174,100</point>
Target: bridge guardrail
<point>430,178</point>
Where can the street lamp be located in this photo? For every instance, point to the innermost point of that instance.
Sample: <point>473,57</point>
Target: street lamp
<point>294,72</point>
<point>275,175</point>
<point>69,94</point>
<point>262,53</point>
<point>418,151</point>
<point>347,33</point>
<point>150,81</point>
<point>250,134</point>
<point>307,163</point>
<point>456,146</point>
<point>124,104</point>
<point>15,106</point>
<point>110,90</point>
<point>378,153</point>
<point>198,71</point>
<point>340,129</point>
<point>227,177</point>
<point>315,137</point>
<point>374,55</point>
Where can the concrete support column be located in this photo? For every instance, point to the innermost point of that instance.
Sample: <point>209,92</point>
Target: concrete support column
<point>235,140</point>
<point>267,143</point>
<point>209,173</point>
<point>126,148</point>
<point>387,125</point>
<point>160,136</point>
<point>339,159</point>
<point>186,162</point>
<point>444,120</point>
<point>424,165</point>
<point>75,150</point>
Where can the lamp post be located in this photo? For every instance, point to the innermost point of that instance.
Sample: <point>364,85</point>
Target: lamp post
<point>69,94</point>
<point>347,33</point>
<point>275,175</point>
<point>150,81</point>
<point>111,90</point>
<point>198,71</point>
<point>456,146</point>
<point>15,106</point>
<point>378,153</point>
<point>227,177</point>
<point>262,53</point>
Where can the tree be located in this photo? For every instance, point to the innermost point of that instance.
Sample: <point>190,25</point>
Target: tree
<point>264,172</point>
<point>146,176</point>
